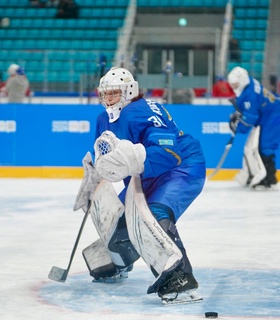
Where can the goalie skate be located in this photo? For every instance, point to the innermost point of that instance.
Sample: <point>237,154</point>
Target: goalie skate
<point>189,296</point>
<point>118,277</point>
<point>180,288</point>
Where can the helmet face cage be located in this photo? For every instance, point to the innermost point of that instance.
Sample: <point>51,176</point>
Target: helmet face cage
<point>110,96</point>
<point>118,82</point>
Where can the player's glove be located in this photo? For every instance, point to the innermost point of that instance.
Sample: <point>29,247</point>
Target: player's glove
<point>117,159</point>
<point>233,101</point>
<point>234,120</point>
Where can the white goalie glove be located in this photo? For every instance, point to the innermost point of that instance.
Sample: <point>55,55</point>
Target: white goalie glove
<point>117,159</point>
<point>89,184</point>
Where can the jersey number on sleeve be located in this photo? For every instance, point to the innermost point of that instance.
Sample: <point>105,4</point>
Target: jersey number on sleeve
<point>157,121</point>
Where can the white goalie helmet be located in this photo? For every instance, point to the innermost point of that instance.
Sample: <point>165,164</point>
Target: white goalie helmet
<point>116,90</point>
<point>12,70</point>
<point>238,79</point>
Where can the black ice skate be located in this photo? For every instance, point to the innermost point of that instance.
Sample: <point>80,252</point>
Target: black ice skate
<point>269,183</point>
<point>265,186</point>
<point>119,275</point>
<point>179,288</point>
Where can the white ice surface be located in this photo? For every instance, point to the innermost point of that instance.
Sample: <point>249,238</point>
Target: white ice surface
<point>231,235</point>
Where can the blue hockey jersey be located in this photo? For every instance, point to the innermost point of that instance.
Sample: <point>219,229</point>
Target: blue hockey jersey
<point>257,106</point>
<point>147,122</point>
<point>260,107</point>
<point>174,169</point>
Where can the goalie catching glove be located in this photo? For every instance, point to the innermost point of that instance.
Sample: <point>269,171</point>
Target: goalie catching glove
<point>89,184</point>
<point>117,159</point>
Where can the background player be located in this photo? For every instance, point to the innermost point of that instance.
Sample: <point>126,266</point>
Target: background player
<point>17,84</point>
<point>256,107</point>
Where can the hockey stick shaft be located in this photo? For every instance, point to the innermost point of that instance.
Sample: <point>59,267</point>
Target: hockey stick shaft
<point>223,157</point>
<point>59,274</point>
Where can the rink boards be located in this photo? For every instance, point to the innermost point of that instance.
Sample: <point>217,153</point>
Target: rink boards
<point>49,141</point>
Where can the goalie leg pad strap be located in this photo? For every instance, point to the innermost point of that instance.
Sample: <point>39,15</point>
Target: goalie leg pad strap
<point>147,236</point>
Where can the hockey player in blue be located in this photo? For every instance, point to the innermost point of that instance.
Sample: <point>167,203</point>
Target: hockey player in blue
<point>170,163</point>
<point>257,109</point>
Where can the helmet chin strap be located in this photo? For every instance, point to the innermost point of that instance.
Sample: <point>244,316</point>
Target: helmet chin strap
<point>114,111</point>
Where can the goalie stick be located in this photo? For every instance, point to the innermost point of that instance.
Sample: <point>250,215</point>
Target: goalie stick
<point>223,157</point>
<point>59,274</point>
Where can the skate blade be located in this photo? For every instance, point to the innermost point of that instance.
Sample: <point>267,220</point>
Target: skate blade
<point>183,298</point>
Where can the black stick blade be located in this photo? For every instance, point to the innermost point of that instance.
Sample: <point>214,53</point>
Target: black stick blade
<point>58,274</point>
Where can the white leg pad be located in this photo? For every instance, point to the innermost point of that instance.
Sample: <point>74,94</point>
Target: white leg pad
<point>97,255</point>
<point>148,238</point>
<point>105,211</point>
<point>252,161</point>
<point>243,175</point>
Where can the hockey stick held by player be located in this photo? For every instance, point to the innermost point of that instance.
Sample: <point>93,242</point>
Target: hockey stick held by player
<point>256,110</point>
<point>138,142</point>
<point>223,157</point>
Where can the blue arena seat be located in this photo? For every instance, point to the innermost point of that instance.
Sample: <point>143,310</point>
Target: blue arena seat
<point>246,55</point>
<point>258,56</point>
<point>258,67</point>
<point>246,45</point>
<point>259,45</point>
<point>250,3</point>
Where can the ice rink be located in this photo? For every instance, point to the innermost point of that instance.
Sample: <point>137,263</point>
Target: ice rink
<point>232,236</point>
